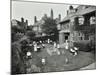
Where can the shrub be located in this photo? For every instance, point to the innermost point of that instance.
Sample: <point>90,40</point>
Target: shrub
<point>17,60</point>
<point>82,46</point>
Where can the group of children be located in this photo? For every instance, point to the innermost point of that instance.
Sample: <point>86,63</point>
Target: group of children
<point>73,51</point>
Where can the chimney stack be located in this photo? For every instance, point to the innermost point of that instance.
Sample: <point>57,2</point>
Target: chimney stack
<point>59,17</point>
<point>22,20</point>
<point>67,12</point>
<point>35,19</point>
<point>27,22</point>
<point>52,13</point>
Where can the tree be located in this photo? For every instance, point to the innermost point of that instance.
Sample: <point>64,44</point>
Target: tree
<point>16,34</point>
<point>17,62</point>
<point>30,35</point>
<point>50,27</point>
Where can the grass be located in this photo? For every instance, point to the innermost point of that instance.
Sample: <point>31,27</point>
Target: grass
<point>57,62</point>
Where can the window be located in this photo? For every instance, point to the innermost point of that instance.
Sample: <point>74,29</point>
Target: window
<point>83,7</point>
<point>67,26</point>
<point>79,34</point>
<point>86,37</point>
<point>92,20</point>
<point>81,38</point>
<point>81,20</point>
<point>58,26</point>
<point>72,11</point>
<point>72,22</point>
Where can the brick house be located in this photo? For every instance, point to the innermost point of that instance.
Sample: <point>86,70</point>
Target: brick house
<point>79,25</point>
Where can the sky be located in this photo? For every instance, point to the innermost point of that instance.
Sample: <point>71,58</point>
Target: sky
<point>28,10</point>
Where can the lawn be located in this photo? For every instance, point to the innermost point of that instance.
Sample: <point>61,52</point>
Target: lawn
<point>56,62</point>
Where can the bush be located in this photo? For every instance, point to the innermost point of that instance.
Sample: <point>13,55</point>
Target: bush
<point>16,36</point>
<point>17,60</point>
<point>30,34</point>
<point>83,47</point>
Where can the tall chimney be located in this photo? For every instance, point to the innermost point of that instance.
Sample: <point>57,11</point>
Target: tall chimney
<point>67,12</point>
<point>52,13</point>
<point>27,22</point>
<point>22,20</point>
<point>35,19</point>
<point>59,17</point>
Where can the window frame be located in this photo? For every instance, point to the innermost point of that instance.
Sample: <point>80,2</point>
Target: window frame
<point>81,20</point>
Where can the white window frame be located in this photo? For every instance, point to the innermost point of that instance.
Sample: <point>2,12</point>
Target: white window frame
<point>81,20</point>
<point>92,20</point>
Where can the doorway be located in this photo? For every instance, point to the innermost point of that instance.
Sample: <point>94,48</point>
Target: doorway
<point>66,36</point>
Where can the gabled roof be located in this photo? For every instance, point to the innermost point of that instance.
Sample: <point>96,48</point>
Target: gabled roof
<point>81,10</point>
<point>86,10</point>
<point>67,18</point>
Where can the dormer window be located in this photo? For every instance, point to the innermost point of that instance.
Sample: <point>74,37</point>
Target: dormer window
<point>81,20</point>
<point>84,7</point>
<point>92,20</point>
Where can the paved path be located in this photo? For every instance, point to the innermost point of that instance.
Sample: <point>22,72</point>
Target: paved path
<point>91,66</point>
